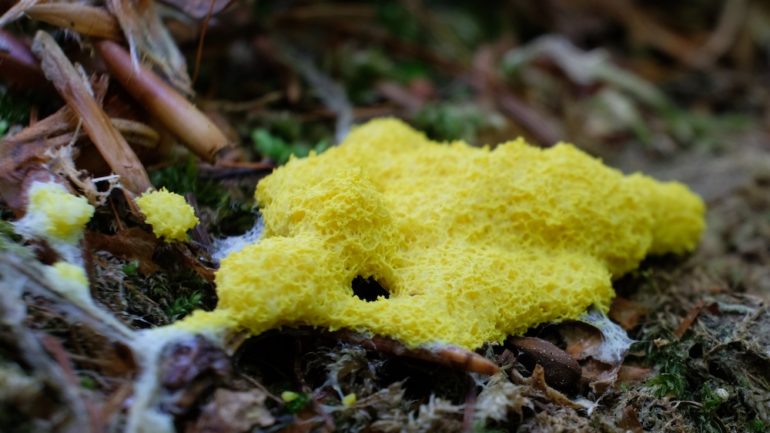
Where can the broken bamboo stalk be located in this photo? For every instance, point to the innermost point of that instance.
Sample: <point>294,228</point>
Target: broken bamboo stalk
<point>172,109</point>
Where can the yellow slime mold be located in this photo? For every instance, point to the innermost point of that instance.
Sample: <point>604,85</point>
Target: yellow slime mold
<point>168,213</point>
<point>472,244</point>
<point>55,214</point>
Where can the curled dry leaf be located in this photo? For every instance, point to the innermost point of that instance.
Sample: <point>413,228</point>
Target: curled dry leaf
<point>599,345</point>
<point>20,166</point>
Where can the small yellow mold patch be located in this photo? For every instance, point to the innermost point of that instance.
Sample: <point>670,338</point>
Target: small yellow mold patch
<point>471,244</point>
<point>54,213</point>
<point>349,400</point>
<point>289,396</point>
<point>168,213</point>
<point>70,280</point>
<point>70,273</point>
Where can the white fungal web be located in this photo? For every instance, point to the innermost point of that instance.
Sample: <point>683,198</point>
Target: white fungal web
<point>226,246</point>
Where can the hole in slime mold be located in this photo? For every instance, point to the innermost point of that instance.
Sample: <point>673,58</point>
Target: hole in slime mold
<point>368,289</point>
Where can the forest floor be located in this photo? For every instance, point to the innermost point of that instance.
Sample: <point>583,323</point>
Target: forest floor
<point>679,92</point>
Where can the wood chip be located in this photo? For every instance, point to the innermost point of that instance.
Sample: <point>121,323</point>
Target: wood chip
<point>112,146</point>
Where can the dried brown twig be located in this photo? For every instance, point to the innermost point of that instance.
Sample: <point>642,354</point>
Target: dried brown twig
<point>84,19</point>
<point>172,109</point>
<point>450,356</point>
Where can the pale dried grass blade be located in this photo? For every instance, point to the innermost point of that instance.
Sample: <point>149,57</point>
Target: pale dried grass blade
<point>149,39</point>
<point>84,19</point>
<point>16,11</point>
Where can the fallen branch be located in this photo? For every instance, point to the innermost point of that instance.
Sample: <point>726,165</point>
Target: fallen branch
<point>172,109</point>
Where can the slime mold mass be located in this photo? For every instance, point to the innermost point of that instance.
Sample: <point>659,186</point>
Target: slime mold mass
<point>168,213</point>
<point>472,244</point>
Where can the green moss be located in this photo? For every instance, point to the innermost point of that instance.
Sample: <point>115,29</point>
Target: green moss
<point>671,360</point>
<point>449,121</point>
<point>131,268</point>
<point>279,150</point>
<point>230,210</point>
<point>184,305</point>
<point>13,110</point>
<point>757,426</point>
<point>299,403</point>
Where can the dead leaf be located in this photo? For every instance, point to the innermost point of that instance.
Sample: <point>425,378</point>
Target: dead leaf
<point>191,358</point>
<point>600,345</point>
<point>691,316</point>
<point>632,374</point>
<point>630,421</point>
<point>627,313</point>
<point>129,244</point>
<point>190,368</point>
<point>598,375</point>
<point>233,412</point>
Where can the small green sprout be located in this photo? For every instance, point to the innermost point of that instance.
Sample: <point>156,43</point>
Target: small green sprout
<point>184,305</point>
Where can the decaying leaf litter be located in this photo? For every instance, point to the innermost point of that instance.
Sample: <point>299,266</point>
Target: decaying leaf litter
<point>685,101</point>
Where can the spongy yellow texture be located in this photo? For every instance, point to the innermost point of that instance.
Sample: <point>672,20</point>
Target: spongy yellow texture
<point>168,213</point>
<point>472,244</point>
<point>56,213</point>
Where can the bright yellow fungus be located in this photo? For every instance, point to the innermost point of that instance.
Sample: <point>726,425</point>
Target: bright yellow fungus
<point>472,244</point>
<point>289,396</point>
<point>349,400</point>
<point>70,280</point>
<point>168,213</point>
<point>54,213</point>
